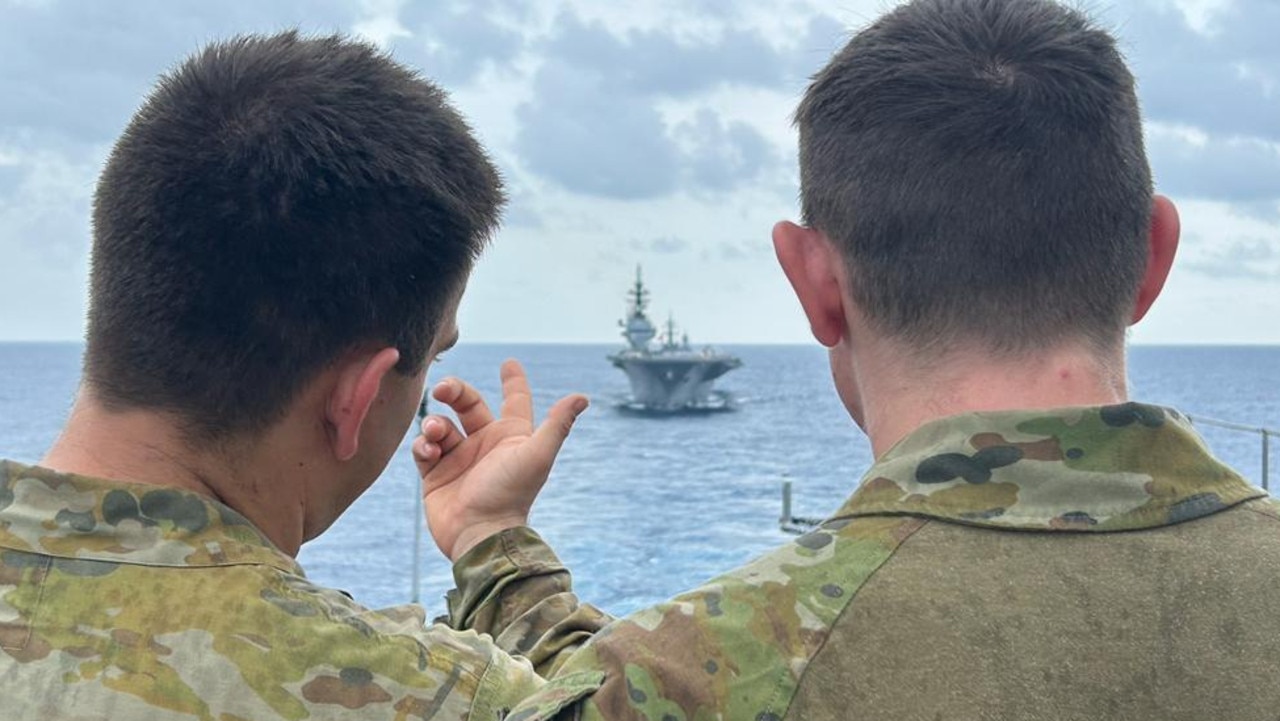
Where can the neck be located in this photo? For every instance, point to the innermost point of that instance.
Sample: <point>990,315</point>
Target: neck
<point>146,447</point>
<point>896,395</point>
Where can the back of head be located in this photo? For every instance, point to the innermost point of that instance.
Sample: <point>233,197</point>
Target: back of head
<point>980,164</point>
<point>276,202</point>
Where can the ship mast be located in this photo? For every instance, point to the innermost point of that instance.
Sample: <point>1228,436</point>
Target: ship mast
<point>639,296</point>
<point>636,328</point>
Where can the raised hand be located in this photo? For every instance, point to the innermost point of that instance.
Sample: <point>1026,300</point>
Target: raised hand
<point>484,477</point>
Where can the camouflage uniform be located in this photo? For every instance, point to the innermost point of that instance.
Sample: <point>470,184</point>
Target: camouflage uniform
<point>1088,563</point>
<point>123,601</point>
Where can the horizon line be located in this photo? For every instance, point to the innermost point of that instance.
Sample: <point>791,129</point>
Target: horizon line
<point>463,343</point>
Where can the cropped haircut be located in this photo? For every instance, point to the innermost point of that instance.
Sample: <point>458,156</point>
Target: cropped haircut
<point>276,202</point>
<point>980,165</point>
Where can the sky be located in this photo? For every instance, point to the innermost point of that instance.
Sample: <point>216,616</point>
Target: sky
<point>653,133</point>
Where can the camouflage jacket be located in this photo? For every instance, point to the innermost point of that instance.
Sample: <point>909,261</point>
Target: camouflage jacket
<point>123,601</point>
<point>974,574</point>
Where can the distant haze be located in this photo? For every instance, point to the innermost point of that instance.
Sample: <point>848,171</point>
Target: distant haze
<point>654,133</point>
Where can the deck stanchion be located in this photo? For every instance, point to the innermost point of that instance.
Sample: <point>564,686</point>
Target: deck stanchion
<point>785,519</point>
<point>1266,457</point>
<point>1265,477</point>
<point>419,518</point>
<point>788,521</point>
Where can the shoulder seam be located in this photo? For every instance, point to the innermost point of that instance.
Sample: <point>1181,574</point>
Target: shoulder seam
<point>1264,514</point>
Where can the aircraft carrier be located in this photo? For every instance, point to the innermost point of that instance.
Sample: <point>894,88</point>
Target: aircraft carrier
<point>667,375</point>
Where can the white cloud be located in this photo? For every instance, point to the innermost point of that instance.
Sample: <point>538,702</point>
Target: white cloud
<point>45,211</point>
<point>1241,246</point>
<point>381,24</point>
<point>651,131</point>
<point>44,220</point>
<point>1224,284</point>
<point>1266,81</point>
<point>1190,162</point>
<point>1201,14</point>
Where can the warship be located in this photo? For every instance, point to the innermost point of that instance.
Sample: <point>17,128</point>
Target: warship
<point>666,375</point>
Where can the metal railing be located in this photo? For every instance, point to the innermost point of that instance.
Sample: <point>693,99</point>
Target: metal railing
<point>1266,433</point>
<point>791,523</point>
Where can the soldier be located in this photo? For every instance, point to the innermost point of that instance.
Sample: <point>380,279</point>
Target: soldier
<point>979,229</point>
<point>281,238</point>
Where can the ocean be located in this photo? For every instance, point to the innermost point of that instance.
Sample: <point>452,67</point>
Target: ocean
<point>641,508</point>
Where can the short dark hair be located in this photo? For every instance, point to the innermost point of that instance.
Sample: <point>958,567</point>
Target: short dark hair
<point>980,165</point>
<point>277,201</point>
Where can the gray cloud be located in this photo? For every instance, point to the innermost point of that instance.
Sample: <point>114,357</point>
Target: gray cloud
<point>1247,258</point>
<point>1190,78</point>
<point>722,155</point>
<point>1242,170</point>
<point>10,178</point>
<point>73,71</point>
<point>108,54</point>
<point>593,140</point>
<point>732,252</point>
<point>652,62</point>
<point>666,245</point>
<point>593,124</point>
<point>44,212</point>
<point>453,42</point>
<point>71,75</point>
<point>823,36</point>
<point>522,212</point>
<point>594,128</point>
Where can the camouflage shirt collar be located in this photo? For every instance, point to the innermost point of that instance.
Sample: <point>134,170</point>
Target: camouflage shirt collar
<point>72,516</point>
<point>1107,468</point>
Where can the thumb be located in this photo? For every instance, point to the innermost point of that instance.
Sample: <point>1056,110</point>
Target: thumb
<point>551,434</point>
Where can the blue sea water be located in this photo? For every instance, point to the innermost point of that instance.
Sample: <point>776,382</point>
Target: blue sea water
<point>641,508</point>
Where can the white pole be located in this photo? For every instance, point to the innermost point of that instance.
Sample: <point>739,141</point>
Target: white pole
<point>1266,454</point>
<point>418,519</point>
<point>785,519</point>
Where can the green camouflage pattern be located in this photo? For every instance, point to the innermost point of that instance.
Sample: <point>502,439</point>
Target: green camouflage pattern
<point>122,601</point>
<point>559,694</point>
<point>513,587</point>
<point>737,647</point>
<point>1110,468</point>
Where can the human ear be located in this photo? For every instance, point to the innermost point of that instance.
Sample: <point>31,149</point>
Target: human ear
<point>352,397</point>
<point>1162,245</point>
<point>813,267</point>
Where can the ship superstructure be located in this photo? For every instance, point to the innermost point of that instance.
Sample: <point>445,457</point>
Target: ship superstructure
<point>667,375</point>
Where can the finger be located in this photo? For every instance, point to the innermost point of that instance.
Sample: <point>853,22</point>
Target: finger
<point>424,450</point>
<point>433,427</point>
<point>425,455</point>
<point>473,413</point>
<point>517,400</point>
<point>441,431</point>
<point>555,428</point>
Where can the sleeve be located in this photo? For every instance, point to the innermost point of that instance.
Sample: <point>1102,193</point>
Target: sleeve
<point>509,682</point>
<point>643,671</point>
<point>512,587</point>
<point>736,647</point>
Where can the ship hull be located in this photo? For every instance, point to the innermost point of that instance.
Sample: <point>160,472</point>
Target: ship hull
<point>670,383</point>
